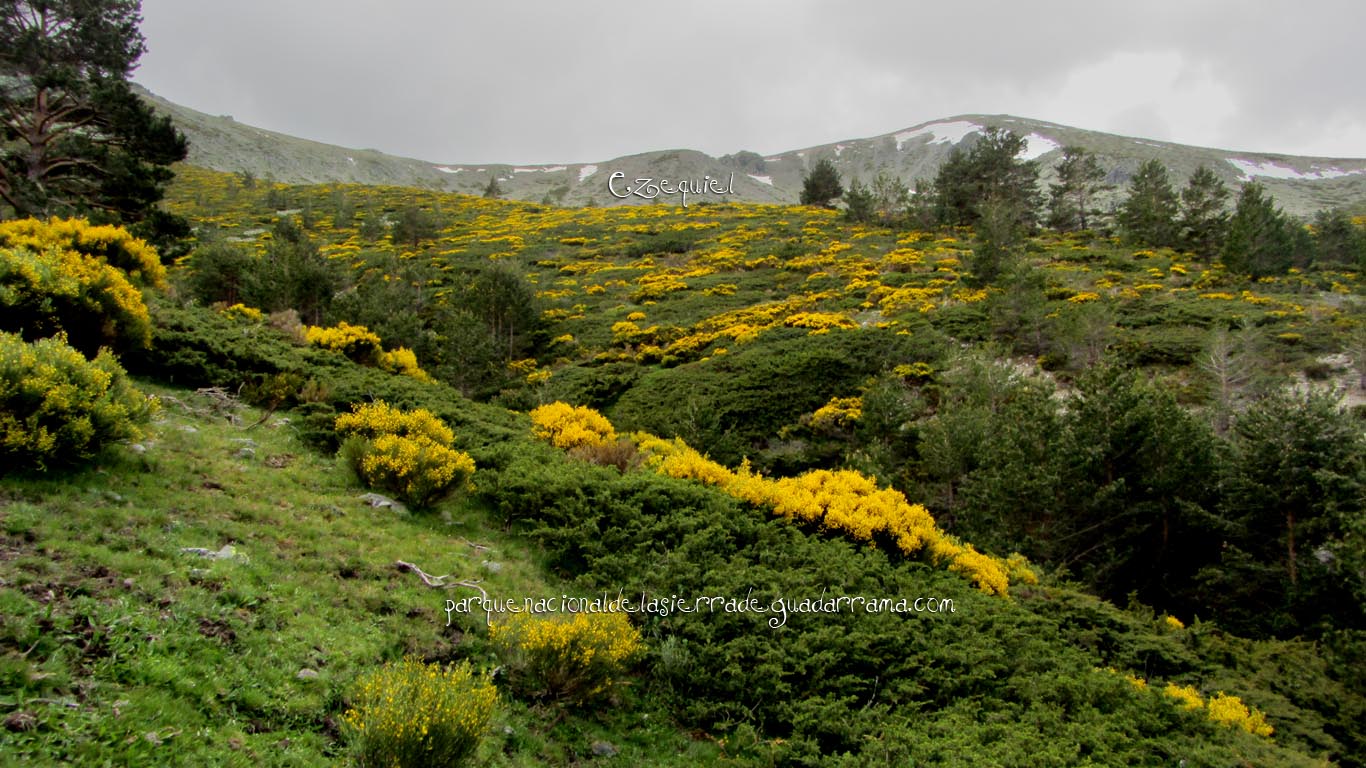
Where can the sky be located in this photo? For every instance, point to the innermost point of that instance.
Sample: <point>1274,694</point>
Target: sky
<point>559,81</point>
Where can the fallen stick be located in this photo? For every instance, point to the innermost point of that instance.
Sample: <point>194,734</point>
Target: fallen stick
<point>439,582</point>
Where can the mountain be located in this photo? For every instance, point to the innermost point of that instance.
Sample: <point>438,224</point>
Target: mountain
<point>1301,185</point>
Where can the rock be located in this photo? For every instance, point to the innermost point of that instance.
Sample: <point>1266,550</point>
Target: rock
<point>246,452</point>
<point>20,721</point>
<point>307,674</point>
<point>604,749</point>
<point>491,566</point>
<point>228,552</point>
<point>137,448</point>
<point>381,502</point>
<point>189,430</point>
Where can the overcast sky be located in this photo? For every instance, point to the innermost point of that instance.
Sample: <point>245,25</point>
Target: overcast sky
<point>566,81</point>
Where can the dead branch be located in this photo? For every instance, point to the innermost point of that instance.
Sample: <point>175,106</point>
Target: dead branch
<point>439,582</point>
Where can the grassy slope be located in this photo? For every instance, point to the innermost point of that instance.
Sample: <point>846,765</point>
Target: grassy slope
<point>127,650</point>
<point>201,658</point>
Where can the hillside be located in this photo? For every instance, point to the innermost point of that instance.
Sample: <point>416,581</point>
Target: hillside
<point>1302,185</point>
<point>788,407</point>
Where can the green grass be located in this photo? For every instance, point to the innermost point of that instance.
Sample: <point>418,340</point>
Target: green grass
<point>118,647</point>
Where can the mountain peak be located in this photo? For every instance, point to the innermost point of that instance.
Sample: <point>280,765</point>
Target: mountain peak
<point>1301,185</point>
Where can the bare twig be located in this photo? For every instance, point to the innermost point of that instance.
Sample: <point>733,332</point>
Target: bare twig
<point>477,547</point>
<point>439,582</point>
<point>262,420</point>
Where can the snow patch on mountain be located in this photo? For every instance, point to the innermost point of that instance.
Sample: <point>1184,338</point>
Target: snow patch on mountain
<point>1037,146</point>
<point>1270,170</point>
<point>950,132</point>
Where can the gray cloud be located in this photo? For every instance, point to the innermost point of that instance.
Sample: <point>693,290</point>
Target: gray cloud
<point>560,82</point>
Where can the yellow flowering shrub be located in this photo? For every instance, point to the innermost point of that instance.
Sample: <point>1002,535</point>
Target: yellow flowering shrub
<point>370,420</point>
<point>242,311</point>
<point>48,285</point>
<point>565,658</point>
<point>839,413</point>
<point>406,453</point>
<point>355,341</point>
<point>1186,695</point>
<point>1230,710</point>
<point>58,408</point>
<point>112,245</point>
<point>918,371</point>
<point>414,714</point>
<point>844,501</point>
<point>403,361</point>
<point>567,426</point>
<point>819,320</point>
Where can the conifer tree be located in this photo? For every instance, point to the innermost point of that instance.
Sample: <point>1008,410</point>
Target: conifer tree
<point>1203,218</point>
<point>821,184</point>
<point>1261,240</point>
<point>988,173</point>
<point>76,138</point>
<point>1148,216</point>
<point>1070,199</point>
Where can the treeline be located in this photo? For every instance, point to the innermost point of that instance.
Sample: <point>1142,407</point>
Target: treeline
<point>987,187</point>
<point>1119,486</point>
<point>465,325</point>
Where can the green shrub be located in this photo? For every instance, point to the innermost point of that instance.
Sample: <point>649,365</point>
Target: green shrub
<point>51,282</point>
<point>415,714</point>
<point>58,408</point>
<point>571,659</point>
<point>408,454</point>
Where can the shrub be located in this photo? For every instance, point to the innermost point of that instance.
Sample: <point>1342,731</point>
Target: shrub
<point>416,470</point>
<point>403,361</point>
<point>355,341</point>
<point>621,454</point>
<point>406,453</point>
<point>55,277</point>
<point>112,245</point>
<point>371,420</point>
<point>58,408</point>
<point>571,659</point>
<point>415,714</point>
<point>568,426</point>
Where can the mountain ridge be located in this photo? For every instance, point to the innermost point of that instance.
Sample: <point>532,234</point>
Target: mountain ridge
<point>1300,184</point>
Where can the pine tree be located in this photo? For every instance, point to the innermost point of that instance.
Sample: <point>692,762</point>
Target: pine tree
<point>1338,242</point>
<point>891,197</point>
<point>1260,240</point>
<point>1148,216</point>
<point>859,203</point>
<point>988,173</point>
<point>493,191</point>
<point>821,184</point>
<point>76,138</point>
<point>1204,219</point>
<point>1079,176</point>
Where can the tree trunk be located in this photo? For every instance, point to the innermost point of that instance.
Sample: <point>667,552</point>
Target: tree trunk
<point>1290,545</point>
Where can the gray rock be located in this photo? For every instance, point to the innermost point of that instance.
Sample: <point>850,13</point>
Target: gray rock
<point>228,552</point>
<point>381,502</point>
<point>306,674</point>
<point>491,566</point>
<point>604,749</point>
